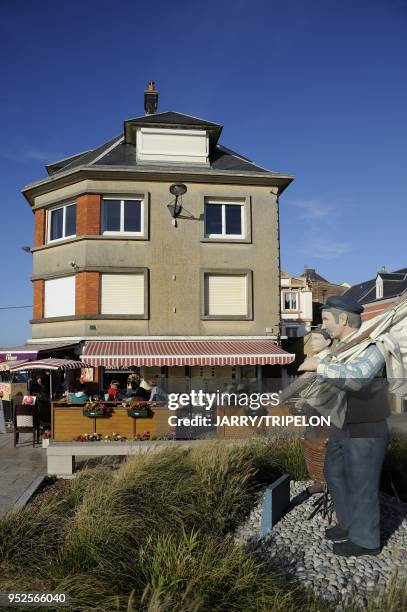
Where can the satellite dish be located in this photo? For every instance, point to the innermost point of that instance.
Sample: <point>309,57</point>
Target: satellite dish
<point>176,189</point>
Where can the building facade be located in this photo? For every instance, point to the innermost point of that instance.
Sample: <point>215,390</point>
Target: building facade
<point>160,234</point>
<point>296,306</point>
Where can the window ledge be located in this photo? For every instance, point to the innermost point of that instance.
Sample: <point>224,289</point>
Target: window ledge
<point>87,317</point>
<point>226,318</point>
<point>228,240</point>
<point>56,243</point>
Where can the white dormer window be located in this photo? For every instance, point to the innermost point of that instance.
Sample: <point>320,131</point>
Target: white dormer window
<point>172,146</point>
<point>379,287</point>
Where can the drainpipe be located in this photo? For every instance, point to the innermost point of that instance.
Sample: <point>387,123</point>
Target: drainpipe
<point>279,270</point>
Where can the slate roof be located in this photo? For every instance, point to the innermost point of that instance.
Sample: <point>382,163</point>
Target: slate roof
<point>83,159</point>
<point>314,276</point>
<point>394,283</point>
<point>116,153</point>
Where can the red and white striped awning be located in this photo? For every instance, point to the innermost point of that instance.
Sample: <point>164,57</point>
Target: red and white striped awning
<point>50,364</point>
<point>185,352</point>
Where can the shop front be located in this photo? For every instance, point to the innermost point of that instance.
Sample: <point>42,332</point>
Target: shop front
<point>183,366</point>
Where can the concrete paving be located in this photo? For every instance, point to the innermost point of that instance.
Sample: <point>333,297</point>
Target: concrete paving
<point>21,470</point>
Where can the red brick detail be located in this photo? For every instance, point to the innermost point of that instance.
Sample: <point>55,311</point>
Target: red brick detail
<point>39,227</point>
<point>87,293</point>
<point>88,214</point>
<point>38,290</point>
<point>373,310</point>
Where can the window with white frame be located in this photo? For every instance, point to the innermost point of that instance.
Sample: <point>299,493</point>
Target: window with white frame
<point>59,297</point>
<point>123,294</point>
<point>226,295</point>
<point>379,287</point>
<point>224,219</point>
<point>290,300</point>
<point>62,222</point>
<point>122,216</point>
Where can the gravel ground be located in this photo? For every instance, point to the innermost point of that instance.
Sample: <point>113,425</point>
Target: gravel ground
<point>297,547</point>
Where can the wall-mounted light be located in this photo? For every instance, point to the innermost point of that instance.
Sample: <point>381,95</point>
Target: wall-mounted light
<point>178,190</point>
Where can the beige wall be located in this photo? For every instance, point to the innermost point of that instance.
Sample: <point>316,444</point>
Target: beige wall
<point>171,251</point>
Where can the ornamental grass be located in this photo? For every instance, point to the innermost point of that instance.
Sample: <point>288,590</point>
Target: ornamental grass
<point>154,534</point>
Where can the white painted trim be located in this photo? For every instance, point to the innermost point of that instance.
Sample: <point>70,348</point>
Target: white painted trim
<point>121,232</point>
<point>118,141</point>
<point>48,221</point>
<point>140,338</point>
<point>225,203</point>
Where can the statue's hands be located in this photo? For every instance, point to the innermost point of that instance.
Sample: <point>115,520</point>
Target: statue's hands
<point>309,365</point>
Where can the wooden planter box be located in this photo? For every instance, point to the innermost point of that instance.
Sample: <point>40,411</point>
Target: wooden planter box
<point>69,422</point>
<point>119,423</point>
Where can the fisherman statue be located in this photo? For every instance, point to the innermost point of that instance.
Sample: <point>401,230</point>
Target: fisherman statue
<point>355,395</point>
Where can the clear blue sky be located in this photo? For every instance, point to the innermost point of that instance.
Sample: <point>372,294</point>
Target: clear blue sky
<point>313,88</point>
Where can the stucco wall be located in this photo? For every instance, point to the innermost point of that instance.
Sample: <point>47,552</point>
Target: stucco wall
<point>170,251</point>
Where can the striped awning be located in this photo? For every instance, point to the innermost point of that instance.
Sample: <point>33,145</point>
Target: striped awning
<point>185,352</point>
<point>5,366</point>
<point>51,364</point>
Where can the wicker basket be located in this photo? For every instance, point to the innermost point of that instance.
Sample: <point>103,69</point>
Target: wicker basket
<point>314,452</point>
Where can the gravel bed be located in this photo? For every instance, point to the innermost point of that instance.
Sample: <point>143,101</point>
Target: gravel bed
<point>297,548</point>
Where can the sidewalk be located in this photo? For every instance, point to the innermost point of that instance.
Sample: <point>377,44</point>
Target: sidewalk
<point>21,469</point>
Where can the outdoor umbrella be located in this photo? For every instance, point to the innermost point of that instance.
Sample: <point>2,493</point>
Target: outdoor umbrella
<point>50,364</point>
<point>10,365</point>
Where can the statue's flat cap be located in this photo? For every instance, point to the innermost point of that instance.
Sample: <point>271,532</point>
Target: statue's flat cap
<point>343,302</point>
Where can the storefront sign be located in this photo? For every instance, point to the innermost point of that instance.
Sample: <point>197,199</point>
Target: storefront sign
<point>17,356</point>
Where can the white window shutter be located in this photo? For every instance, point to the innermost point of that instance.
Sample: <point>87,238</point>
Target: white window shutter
<point>59,297</point>
<point>122,294</point>
<point>226,295</point>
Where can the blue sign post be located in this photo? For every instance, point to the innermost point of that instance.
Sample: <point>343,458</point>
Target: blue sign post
<point>276,502</point>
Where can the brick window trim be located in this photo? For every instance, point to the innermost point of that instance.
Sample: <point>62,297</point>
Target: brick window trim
<point>88,219</point>
<point>87,296</point>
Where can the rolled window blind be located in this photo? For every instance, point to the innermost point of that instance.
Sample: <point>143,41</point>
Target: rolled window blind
<point>59,297</point>
<point>226,295</point>
<point>122,294</point>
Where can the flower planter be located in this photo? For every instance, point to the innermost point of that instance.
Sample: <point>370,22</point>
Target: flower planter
<point>95,414</point>
<point>138,413</point>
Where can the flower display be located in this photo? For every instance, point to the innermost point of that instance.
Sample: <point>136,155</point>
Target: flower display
<point>144,435</point>
<point>96,409</point>
<point>115,437</point>
<point>93,437</point>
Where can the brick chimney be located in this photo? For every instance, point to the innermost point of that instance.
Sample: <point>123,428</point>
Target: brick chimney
<point>150,99</point>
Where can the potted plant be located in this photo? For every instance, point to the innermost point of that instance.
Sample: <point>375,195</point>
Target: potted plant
<point>96,409</point>
<point>46,435</point>
<point>139,409</point>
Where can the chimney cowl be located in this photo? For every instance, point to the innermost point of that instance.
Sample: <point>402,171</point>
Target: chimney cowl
<point>150,99</point>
